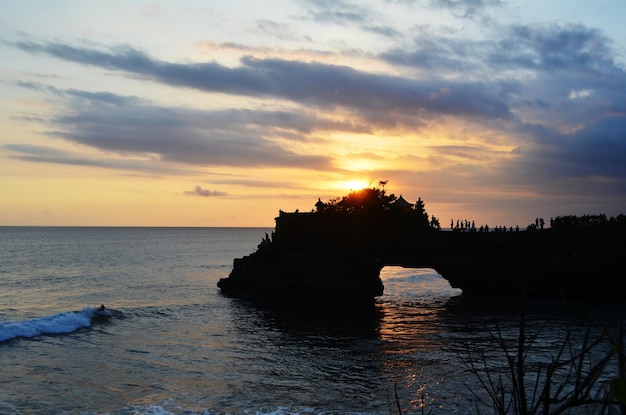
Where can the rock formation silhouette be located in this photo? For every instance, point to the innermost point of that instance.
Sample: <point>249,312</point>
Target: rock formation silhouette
<point>336,252</point>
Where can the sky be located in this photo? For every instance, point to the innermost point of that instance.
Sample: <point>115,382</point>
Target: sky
<point>214,113</point>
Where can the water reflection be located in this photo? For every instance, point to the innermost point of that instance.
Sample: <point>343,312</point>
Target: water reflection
<point>415,338</point>
<point>350,356</point>
<point>319,356</point>
<point>340,320</point>
<point>413,304</point>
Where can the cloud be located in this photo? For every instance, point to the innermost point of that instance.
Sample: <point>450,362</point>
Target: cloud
<point>278,30</point>
<point>100,96</point>
<point>539,105</point>
<point>567,94</point>
<point>186,136</point>
<point>199,191</point>
<point>538,70</point>
<point>47,154</point>
<point>337,12</point>
<point>131,128</point>
<point>509,51</point>
<point>466,8</point>
<point>572,47</point>
<point>441,53</point>
<point>595,151</point>
<point>467,152</point>
<point>321,85</point>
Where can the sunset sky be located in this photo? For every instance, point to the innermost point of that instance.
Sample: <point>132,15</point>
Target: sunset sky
<point>220,113</point>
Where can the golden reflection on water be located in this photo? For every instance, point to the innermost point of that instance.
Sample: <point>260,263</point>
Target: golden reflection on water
<point>412,304</point>
<point>414,333</point>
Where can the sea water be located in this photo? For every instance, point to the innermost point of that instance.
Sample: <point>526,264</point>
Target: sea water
<point>174,345</point>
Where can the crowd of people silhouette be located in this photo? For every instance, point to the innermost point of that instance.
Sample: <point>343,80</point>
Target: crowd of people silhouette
<point>464,225</point>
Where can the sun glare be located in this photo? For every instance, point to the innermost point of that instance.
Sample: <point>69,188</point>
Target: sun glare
<point>353,185</point>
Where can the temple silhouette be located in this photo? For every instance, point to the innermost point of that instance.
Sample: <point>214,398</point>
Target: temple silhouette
<point>336,252</point>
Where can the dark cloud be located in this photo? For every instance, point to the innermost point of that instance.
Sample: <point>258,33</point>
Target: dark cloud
<point>125,126</point>
<point>330,86</point>
<point>182,136</point>
<point>587,161</point>
<point>386,31</point>
<point>439,53</point>
<point>35,151</point>
<point>281,121</point>
<point>101,96</point>
<point>568,95</point>
<point>310,83</point>
<point>554,48</point>
<point>199,191</point>
<point>595,151</point>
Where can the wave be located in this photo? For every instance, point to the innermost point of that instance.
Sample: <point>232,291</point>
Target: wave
<point>59,323</point>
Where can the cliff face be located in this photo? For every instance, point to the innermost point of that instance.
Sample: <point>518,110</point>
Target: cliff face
<point>308,257</point>
<point>296,277</point>
<point>337,254</point>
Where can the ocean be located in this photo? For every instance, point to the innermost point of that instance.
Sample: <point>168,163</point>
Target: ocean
<point>174,344</point>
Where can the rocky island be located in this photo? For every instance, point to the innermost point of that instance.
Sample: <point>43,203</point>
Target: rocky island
<point>336,252</point>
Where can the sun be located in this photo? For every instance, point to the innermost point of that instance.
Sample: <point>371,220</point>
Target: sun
<point>354,184</point>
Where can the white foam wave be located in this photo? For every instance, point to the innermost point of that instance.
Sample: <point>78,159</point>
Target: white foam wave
<point>66,322</point>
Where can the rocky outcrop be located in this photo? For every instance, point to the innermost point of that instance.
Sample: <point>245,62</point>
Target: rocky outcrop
<point>337,253</point>
<point>297,277</point>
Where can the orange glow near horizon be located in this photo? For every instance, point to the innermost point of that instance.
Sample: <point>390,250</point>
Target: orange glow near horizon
<point>352,185</point>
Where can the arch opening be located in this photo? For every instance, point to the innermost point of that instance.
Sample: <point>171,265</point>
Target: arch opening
<point>415,283</point>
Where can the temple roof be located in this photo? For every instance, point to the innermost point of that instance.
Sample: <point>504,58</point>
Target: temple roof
<point>401,202</point>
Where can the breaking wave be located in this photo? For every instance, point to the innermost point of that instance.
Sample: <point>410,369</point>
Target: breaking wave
<point>59,323</point>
